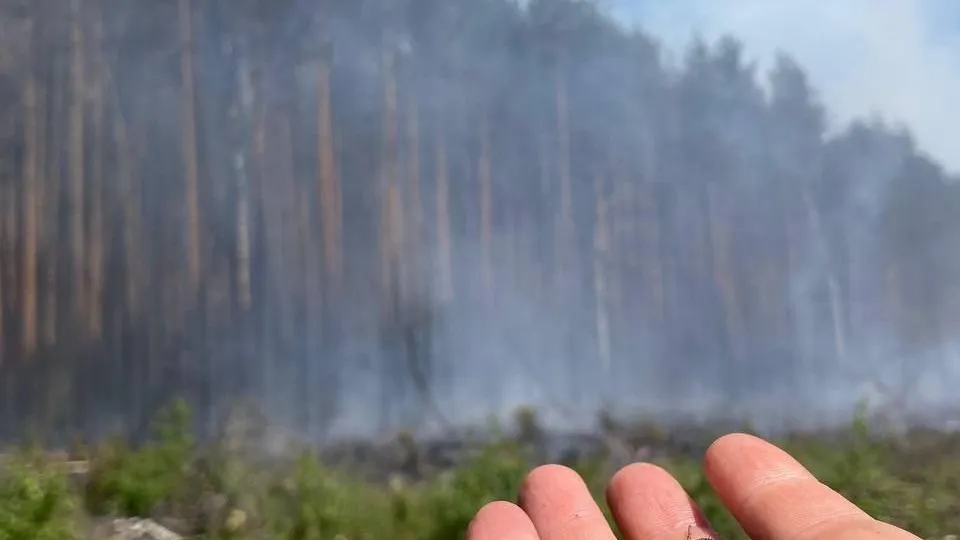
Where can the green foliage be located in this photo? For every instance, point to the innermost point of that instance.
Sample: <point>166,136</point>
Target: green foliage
<point>135,482</point>
<point>494,474</point>
<point>865,471</point>
<point>35,500</point>
<point>313,503</point>
<point>913,482</point>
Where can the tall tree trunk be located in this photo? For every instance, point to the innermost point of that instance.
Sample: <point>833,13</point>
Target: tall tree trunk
<point>59,88</point>
<point>819,238</point>
<point>246,97</point>
<point>31,181</point>
<point>714,332</point>
<point>390,210</point>
<point>41,199</point>
<point>61,388</point>
<point>542,195</point>
<point>565,226</point>
<point>601,254</point>
<point>4,285</point>
<point>288,223</point>
<point>96,238</point>
<point>836,317</point>
<point>652,216</point>
<point>132,213</point>
<point>330,196</point>
<point>8,243</point>
<point>663,203</point>
<point>243,232</point>
<point>444,245</point>
<point>415,211</point>
<point>11,233</point>
<point>280,220</point>
<point>486,206</point>
<point>77,156</point>
<point>312,297</point>
<point>189,141</point>
<point>724,270</point>
<point>267,230</point>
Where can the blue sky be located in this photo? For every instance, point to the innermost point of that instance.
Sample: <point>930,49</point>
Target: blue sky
<point>899,57</point>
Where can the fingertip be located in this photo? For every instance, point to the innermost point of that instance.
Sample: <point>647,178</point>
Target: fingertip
<point>551,472</point>
<point>560,505</point>
<point>732,442</point>
<point>634,474</point>
<point>772,494</point>
<point>737,456</point>
<point>549,478</point>
<point>501,520</point>
<point>648,502</point>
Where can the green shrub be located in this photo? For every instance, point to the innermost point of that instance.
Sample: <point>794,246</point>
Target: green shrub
<point>911,481</point>
<point>35,500</point>
<point>494,474</point>
<point>314,503</point>
<point>135,482</point>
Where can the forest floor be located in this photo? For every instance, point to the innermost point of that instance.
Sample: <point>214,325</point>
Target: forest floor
<point>405,488</point>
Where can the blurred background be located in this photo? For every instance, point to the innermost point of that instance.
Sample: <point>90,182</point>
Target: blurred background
<point>371,216</point>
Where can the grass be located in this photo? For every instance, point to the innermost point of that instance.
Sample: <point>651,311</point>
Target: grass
<point>222,492</point>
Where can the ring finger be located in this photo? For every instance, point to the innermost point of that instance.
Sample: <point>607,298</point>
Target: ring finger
<point>649,504</point>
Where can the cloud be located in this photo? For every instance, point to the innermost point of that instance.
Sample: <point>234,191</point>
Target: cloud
<point>896,57</point>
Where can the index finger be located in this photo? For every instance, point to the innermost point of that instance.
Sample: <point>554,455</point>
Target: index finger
<point>773,496</point>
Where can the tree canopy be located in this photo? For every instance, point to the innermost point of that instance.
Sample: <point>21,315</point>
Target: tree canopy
<point>443,205</point>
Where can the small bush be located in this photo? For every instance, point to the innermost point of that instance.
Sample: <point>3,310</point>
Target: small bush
<point>314,503</point>
<point>35,500</point>
<point>494,474</point>
<point>135,482</point>
<point>913,482</point>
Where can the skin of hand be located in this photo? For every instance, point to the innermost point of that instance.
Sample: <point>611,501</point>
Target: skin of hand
<point>770,494</point>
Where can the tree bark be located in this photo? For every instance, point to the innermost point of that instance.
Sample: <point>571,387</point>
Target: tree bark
<point>486,206</point>
<point>189,141</point>
<point>59,87</point>
<point>601,253</point>
<point>565,224</point>
<point>77,158</point>
<point>4,285</point>
<point>132,215</point>
<point>724,271</point>
<point>390,207</point>
<point>415,211</point>
<point>245,103</point>
<point>330,196</point>
<point>444,245</point>
<point>31,179</point>
<point>96,241</point>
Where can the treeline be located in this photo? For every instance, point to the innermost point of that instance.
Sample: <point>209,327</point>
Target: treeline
<point>418,203</point>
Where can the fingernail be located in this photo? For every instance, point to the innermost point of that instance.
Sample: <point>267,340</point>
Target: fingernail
<point>698,532</point>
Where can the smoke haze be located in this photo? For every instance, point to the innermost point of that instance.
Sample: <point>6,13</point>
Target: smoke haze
<point>366,216</point>
<point>895,57</point>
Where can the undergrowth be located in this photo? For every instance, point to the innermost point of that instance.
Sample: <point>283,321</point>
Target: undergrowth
<point>36,502</point>
<point>217,493</point>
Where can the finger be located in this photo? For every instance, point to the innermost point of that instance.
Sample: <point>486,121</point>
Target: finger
<point>649,504</point>
<point>501,521</point>
<point>774,496</point>
<point>560,505</point>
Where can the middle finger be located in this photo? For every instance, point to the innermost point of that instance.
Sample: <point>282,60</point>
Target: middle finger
<point>649,504</point>
<point>561,507</point>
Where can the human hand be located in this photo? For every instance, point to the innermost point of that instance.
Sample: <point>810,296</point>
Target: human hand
<point>770,494</point>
